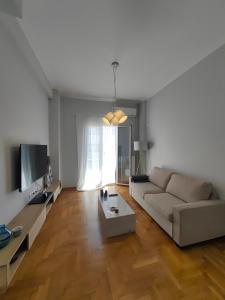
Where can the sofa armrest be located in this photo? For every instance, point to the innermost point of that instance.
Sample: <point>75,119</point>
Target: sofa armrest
<point>198,221</point>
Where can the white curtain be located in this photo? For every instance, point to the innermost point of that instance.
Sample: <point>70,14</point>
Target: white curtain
<point>96,147</point>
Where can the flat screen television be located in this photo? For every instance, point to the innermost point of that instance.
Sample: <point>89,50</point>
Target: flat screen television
<point>33,164</point>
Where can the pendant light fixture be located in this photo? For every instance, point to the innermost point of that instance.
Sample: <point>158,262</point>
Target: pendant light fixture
<point>114,117</point>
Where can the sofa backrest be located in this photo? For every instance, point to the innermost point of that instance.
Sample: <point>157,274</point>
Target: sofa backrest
<point>188,188</point>
<point>160,177</point>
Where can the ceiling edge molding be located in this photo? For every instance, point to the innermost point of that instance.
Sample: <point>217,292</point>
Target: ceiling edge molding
<point>71,97</point>
<point>104,99</point>
<point>13,27</point>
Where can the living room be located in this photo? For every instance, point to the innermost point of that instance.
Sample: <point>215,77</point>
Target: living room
<point>112,151</point>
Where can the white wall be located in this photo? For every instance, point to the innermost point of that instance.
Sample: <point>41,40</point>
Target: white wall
<point>55,134</point>
<point>11,7</point>
<point>23,119</point>
<point>186,122</point>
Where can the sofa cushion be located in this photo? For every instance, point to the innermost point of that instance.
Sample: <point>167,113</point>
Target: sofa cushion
<point>145,187</point>
<point>160,177</point>
<point>188,188</point>
<point>163,204</point>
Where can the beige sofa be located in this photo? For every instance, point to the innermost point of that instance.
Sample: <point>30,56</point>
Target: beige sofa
<point>181,205</point>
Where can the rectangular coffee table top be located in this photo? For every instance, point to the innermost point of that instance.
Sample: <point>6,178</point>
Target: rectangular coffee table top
<point>118,201</point>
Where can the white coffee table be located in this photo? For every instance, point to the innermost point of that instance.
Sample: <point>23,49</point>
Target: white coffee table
<point>114,224</point>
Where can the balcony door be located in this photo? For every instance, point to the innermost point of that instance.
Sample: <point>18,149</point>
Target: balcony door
<point>123,169</point>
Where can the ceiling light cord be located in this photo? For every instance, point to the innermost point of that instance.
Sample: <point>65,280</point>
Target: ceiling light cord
<point>114,80</point>
<point>114,117</point>
<point>115,66</point>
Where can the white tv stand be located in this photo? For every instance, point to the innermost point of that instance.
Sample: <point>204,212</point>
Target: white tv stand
<point>32,217</point>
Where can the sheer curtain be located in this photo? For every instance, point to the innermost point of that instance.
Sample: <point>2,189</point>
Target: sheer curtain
<point>96,153</point>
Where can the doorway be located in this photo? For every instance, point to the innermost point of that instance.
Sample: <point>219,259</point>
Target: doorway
<point>123,169</point>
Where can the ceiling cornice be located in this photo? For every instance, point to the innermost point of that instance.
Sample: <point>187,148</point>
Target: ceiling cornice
<point>104,99</point>
<point>13,27</point>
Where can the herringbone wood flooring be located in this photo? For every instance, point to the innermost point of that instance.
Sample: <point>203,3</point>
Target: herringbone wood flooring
<point>70,260</point>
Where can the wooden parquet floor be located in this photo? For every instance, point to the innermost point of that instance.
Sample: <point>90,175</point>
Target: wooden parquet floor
<point>70,260</point>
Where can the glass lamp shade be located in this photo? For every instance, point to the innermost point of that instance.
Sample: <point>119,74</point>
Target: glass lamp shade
<point>120,115</point>
<point>107,118</point>
<point>114,121</point>
<point>105,121</point>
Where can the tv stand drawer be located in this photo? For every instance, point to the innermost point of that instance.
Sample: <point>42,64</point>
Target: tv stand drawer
<point>36,227</point>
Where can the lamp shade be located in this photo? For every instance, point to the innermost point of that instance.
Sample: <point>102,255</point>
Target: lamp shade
<point>108,117</point>
<point>114,121</point>
<point>136,146</point>
<point>121,116</point>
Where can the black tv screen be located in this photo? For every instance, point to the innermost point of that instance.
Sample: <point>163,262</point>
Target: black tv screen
<point>33,164</point>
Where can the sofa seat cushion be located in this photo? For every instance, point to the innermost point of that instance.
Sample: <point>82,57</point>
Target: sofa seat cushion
<point>145,187</point>
<point>160,177</point>
<point>163,204</point>
<point>188,188</point>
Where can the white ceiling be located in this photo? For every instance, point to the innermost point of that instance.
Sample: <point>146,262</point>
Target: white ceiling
<point>155,41</point>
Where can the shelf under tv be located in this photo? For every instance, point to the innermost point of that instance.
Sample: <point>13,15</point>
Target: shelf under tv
<point>42,198</point>
<point>31,217</point>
